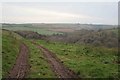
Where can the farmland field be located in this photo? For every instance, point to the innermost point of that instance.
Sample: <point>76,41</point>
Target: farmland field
<point>52,52</point>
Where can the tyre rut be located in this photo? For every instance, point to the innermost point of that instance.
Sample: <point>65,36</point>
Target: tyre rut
<point>60,70</point>
<point>20,68</point>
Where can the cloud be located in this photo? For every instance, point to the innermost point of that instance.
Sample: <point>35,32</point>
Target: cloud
<point>53,13</point>
<point>28,14</point>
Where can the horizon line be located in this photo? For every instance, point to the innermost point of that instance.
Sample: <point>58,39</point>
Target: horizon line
<point>56,23</point>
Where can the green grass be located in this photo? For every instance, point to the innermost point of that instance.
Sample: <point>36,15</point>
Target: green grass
<point>39,66</point>
<point>87,61</point>
<point>0,51</point>
<point>10,50</point>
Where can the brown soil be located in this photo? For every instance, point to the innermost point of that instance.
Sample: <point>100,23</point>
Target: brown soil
<point>60,70</point>
<point>20,68</point>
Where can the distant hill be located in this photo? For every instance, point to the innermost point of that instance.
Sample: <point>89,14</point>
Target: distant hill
<point>98,35</point>
<point>62,25</point>
<point>108,37</point>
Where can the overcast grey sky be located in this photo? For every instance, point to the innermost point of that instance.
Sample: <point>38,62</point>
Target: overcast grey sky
<point>60,12</point>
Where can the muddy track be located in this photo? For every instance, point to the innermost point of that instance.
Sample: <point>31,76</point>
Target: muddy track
<point>20,68</point>
<point>60,70</point>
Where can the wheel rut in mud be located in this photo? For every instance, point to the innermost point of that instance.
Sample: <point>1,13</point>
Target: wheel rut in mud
<point>60,70</point>
<point>21,66</point>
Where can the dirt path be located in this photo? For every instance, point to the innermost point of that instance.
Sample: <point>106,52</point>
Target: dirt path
<point>21,66</point>
<point>60,70</point>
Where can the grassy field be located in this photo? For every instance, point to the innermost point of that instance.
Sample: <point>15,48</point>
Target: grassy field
<point>10,50</point>
<point>39,67</point>
<point>87,61</point>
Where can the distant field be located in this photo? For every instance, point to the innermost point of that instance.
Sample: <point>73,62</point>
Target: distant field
<point>62,30</point>
<point>39,30</point>
<point>49,29</point>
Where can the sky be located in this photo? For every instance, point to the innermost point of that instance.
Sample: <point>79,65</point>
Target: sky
<point>60,12</point>
<point>59,0</point>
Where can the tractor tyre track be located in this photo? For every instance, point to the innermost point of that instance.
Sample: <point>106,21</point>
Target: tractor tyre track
<point>60,70</point>
<point>21,66</point>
